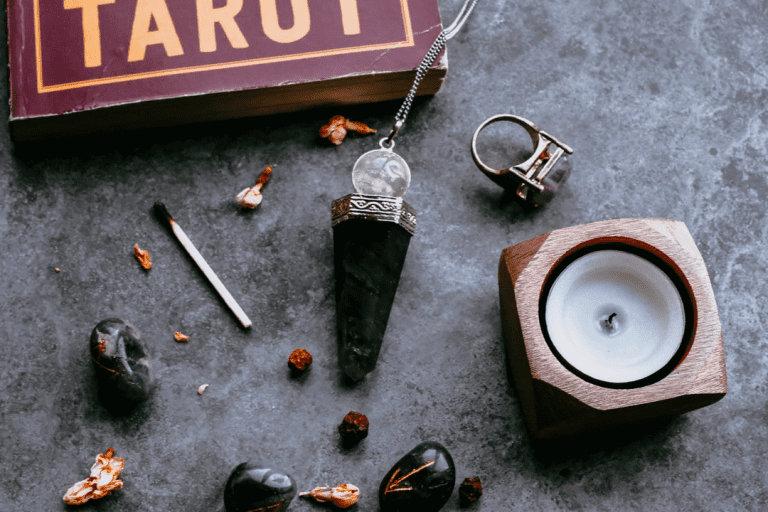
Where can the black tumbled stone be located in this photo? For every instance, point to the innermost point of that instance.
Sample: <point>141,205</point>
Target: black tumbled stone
<point>122,361</point>
<point>369,257</point>
<point>255,487</point>
<point>422,481</point>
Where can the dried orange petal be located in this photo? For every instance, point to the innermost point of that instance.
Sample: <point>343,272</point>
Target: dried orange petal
<point>342,496</point>
<point>358,127</point>
<point>143,257</point>
<point>299,360</point>
<point>337,135</point>
<point>334,123</point>
<point>337,127</point>
<point>249,198</point>
<point>180,337</point>
<point>103,480</point>
<point>264,176</point>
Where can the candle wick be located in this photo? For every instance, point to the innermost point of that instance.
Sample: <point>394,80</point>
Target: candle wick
<point>608,323</point>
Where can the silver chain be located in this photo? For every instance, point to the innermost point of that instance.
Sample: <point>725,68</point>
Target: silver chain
<point>426,63</point>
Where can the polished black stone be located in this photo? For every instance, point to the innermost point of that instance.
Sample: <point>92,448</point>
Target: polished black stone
<point>256,487</point>
<point>422,481</point>
<point>122,362</point>
<point>368,257</point>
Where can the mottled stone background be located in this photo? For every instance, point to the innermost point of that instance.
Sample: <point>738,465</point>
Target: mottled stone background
<point>666,106</point>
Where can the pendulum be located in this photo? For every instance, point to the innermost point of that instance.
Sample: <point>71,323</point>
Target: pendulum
<point>371,232</point>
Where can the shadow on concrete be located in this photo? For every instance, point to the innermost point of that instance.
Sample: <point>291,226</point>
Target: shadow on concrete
<point>502,206</point>
<point>303,125</point>
<point>119,407</point>
<point>299,378</point>
<point>345,382</point>
<point>551,452</point>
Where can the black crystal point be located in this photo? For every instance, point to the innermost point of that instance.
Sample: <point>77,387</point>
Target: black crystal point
<point>369,257</point>
<point>255,487</point>
<point>122,361</point>
<point>422,481</point>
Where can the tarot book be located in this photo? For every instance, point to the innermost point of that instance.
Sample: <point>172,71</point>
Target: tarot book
<point>86,66</point>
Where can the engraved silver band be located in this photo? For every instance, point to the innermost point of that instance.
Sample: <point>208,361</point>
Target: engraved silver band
<point>378,208</point>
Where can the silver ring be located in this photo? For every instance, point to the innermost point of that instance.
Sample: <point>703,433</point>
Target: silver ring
<point>532,130</point>
<point>530,180</point>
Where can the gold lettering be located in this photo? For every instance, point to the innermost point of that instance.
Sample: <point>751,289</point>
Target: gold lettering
<point>271,24</point>
<point>394,485</point>
<point>91,31</point>
<point>350,17</point>
<point>165,34</point>
<point>207,17</point>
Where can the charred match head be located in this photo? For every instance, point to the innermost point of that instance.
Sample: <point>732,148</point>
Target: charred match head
<point>162,214</point>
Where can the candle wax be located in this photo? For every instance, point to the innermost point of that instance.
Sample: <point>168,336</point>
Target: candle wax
<point>615,316</point>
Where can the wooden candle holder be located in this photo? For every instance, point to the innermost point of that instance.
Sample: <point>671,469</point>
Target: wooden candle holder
<point>556,399</point>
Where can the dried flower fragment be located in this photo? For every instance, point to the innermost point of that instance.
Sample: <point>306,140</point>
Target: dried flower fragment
<point>354,428</point>
<point>180,337</point>
<point>337,128</point>
<point>143,257</point>
<point>342,496</point>
<point>299,361</point>
<point>202,389</point>
<point>251,197</point>
<point>264,177</point>
<point>470,490</point>
<point>103,480</point>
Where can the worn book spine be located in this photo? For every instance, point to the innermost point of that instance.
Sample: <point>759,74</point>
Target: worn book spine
<point>93,65</point>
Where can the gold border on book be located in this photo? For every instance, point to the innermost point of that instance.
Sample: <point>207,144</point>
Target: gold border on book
<point>409,41</point>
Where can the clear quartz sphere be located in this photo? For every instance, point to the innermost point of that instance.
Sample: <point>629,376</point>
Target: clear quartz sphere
<point>381,172</point>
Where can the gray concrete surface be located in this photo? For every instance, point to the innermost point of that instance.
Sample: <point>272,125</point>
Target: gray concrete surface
<point>666,106</point>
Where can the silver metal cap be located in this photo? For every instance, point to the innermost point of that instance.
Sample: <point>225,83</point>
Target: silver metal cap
<point>378,208</point>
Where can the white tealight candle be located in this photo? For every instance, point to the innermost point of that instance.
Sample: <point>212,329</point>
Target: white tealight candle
<point>615,316</point>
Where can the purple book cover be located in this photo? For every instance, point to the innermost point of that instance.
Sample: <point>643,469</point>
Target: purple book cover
<point>79,55</point>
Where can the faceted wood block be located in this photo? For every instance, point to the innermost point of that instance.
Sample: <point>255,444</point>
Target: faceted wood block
<point>557,400</point>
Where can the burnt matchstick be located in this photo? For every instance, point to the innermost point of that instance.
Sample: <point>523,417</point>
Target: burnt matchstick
<point>162,213</point>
